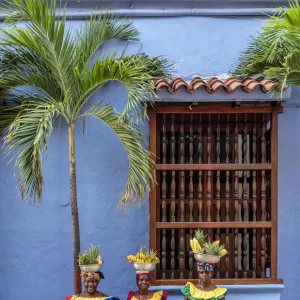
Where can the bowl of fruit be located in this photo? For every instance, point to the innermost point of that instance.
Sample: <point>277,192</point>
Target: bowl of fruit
<point>143,261</point>
<point>90,261</point>
<point>208,252</point>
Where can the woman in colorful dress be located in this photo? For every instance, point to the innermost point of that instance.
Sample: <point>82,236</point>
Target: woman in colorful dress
<point>143,285</point>
<point>205,289</point>
<point>207,254</point>
<point>144,262</point>
<point>91,281</point>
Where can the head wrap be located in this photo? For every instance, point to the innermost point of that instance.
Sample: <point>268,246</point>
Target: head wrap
<point>206,266</point>
<point>90,275</point>
<point>139,273</point>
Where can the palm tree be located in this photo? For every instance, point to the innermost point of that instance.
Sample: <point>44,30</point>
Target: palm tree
<point>56,61</point>
<point>275,52</point>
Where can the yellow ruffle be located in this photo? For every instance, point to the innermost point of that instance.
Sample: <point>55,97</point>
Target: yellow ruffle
<point>198,294</point>
<point>84,298</point>
<point>156,296</point>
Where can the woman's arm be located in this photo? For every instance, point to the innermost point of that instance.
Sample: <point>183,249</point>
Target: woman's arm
<point>130,294</point>
<point>164,295</point>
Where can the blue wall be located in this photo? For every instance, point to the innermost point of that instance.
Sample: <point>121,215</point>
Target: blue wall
<point>36,241</point>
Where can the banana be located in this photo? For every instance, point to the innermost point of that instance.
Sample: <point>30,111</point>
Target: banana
<point>99,260</point>
<point>192,245</point>
<point>131,258</point>
<point>223,252</point>
<point>195,245</point>
<point>198,247</point>
<point>143,257</point>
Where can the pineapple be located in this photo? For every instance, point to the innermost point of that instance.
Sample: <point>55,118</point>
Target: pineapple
<point>200,237</point>
<point>143,250</point>
<point>199,245</point>
<point>153,257</point>
<point>213,248</point>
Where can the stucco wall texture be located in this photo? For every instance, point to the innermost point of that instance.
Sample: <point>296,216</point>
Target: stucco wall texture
<point>36,240</point>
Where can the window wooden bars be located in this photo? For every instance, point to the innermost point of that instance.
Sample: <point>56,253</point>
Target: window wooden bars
<point>216,170</point>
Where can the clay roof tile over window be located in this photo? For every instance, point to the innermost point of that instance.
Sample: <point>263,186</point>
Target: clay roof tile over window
<point>214,84</point>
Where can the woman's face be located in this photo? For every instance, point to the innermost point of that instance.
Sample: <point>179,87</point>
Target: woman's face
<point>205,276</point>
<point>91,285</point>
<point>143,282</point>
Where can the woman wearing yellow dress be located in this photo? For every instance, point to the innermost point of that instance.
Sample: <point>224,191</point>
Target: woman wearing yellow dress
<point>207,254</point>
<point>204,290</point>
<point>91,281</point>
<point>144,262</point>
<point>143,293</point>
<point>90,263</point>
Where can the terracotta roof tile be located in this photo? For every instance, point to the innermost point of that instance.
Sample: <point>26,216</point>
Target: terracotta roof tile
<point>213,84</point>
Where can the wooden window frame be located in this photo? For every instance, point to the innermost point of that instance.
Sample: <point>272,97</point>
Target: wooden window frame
<point>218,108</point>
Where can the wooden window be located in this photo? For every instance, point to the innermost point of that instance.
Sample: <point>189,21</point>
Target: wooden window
<point>216,168</point>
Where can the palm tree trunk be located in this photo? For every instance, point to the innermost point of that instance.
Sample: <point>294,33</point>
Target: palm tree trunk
<point>74,208</point>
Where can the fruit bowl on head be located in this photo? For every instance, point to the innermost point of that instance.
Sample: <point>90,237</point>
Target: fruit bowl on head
<point>90,268</point>
<point>143,267</point>
<point>206,258</point>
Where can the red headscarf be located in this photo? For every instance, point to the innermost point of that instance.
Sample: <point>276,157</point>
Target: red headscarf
<point>139,274</point>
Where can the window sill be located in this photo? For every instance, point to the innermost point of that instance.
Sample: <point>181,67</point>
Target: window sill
<point>248,292</point>
<point>240,281</point>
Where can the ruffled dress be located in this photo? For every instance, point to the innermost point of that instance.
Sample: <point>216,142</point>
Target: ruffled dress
<point>192,293</point>
<point>160,295</point>
<point>75,297</point>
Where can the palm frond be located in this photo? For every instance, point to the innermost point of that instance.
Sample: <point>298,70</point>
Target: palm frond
<point>15,75</point>
<point>27,136</point>
<point>135,72</point>
<point>39,16</point>
<point>99,29</point>
<point>11,106</point>
<point>140,164</point>
<point>7,115</point>
<point>43,46</point>
<point>260,55</point>
<point>156,66</point>
<point>268,52</point>
<point>142,94</point>
<point>289,73</point>
<point>43,54</point>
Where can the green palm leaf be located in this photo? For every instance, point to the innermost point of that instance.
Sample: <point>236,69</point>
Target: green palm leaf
<point>140,164</point>
<point>134,72</point>
<point>35,56</point>
<point>99,29</point>
<point>7,115</point>
<point>271,52</point>
<point>27,136</point>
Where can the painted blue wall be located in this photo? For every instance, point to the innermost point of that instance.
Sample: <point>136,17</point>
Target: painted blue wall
<point>36,241</point>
